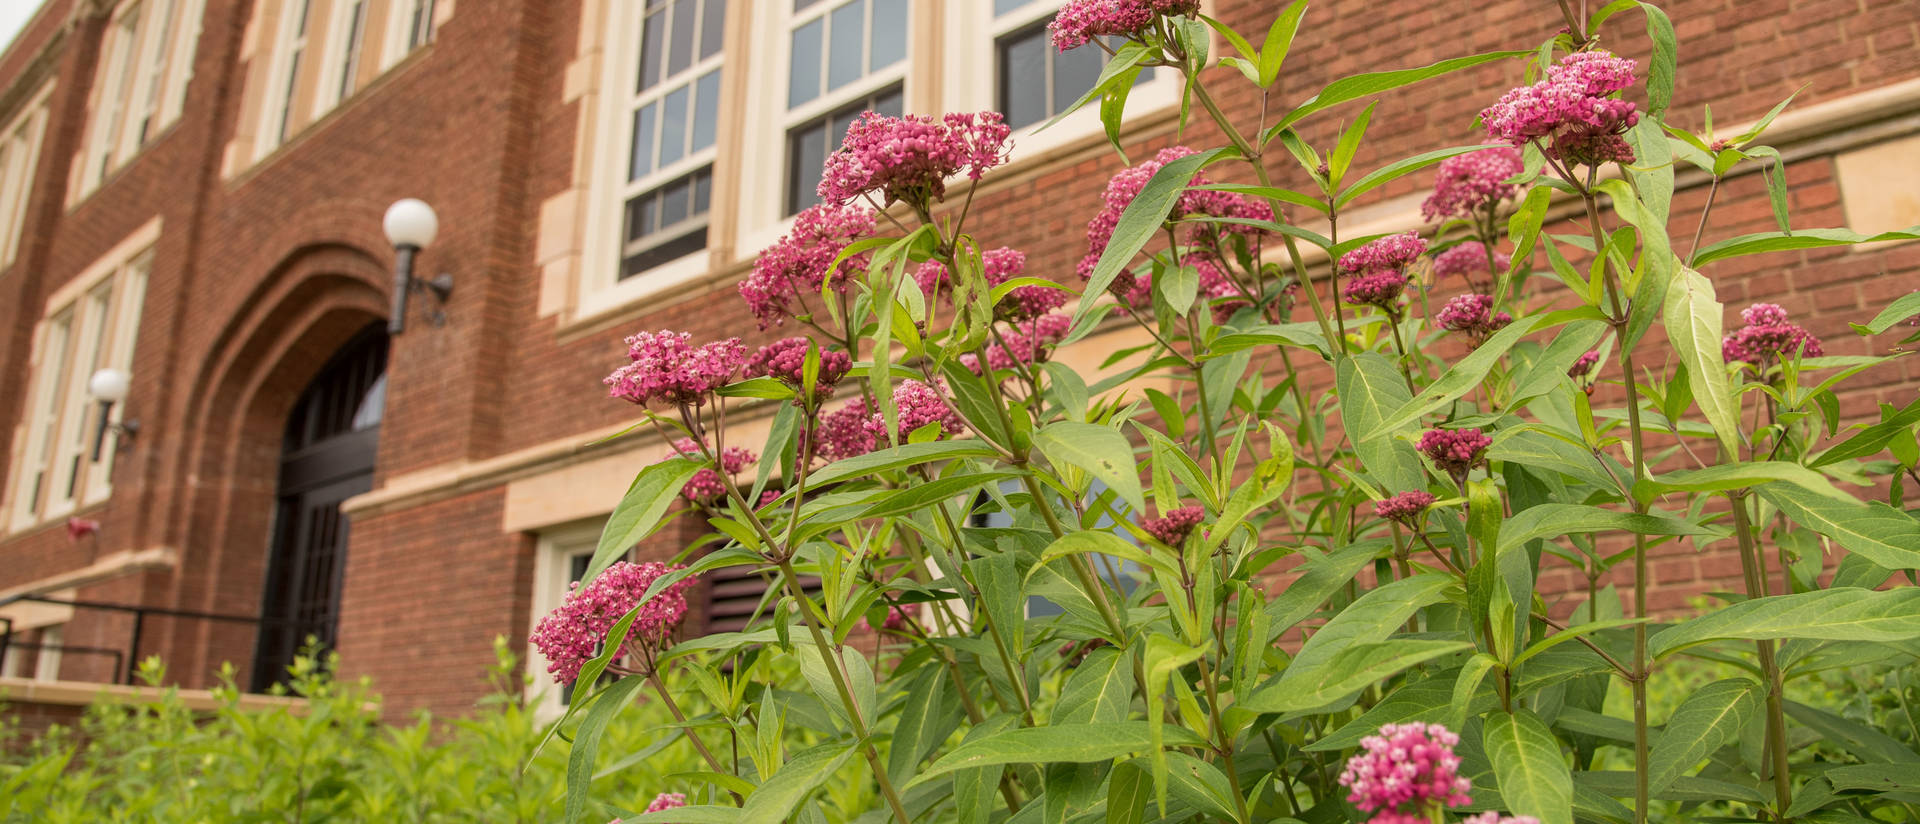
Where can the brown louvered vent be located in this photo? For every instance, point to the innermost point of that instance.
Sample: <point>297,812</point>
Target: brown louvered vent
<point>734,593</point>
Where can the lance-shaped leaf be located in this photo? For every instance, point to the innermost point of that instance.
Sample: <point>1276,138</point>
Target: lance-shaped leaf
<point>639,511</point>
<point>1902,308</point>
<point>906,454</point>
<point>1692,316</point>
<point>1201,785</point>
<point>1347,672</point>
<point>930,713</point>
<point>586,742</point>
<point>1139,222</point>
<point>1370,389</point>
<point>1708,719</point>
<point>1723,477</point>
<point>799,776</point>
<point>1534,778</point>
<point>1100,450</point>
<point>1469,371</point>
<point>1871,529</point>
<point>1078,743</point>
<point>1759,242</point>
<point>1372,83</point>
<point>1547,520</point>
<point>1845,614</point>
<point>1322,577</point>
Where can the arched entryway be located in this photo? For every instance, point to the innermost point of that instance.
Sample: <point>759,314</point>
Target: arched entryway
<point>327,456</point>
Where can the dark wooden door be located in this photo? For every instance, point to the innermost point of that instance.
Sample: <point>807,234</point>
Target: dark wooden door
<point>327,457</point>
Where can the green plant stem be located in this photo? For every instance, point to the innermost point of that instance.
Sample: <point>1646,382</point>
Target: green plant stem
<point>1222,745</point>
<point>660,688</point>
<point>1752,565</point>
<point>1694,248</point>
<point>1400,352</point>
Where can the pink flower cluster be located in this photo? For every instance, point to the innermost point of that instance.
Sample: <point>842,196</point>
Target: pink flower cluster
<point>918,404</point>
<point>1584,364</point>
<point>1173,527</point>
<point>1405,506</point>
<point>706,486</point>
<point>797,265</point>
<point>909,158</point>
<point>845,432</point>
<point>1456,451</point>
<point>666,367</point>
<point>1466,260</point>
<point>896,620</point>
<point>571,635</point>
<point>1406,770</point>
<point>1027,342</point>
<point>1376,289</point>
<point>999,265</point>
<point>1472,183</point>
<point>1124,186</point>
<point>1768,336</point>
<point>1215,288</point>
<point>1083,20</point>
<point>1496,818</point>
<point>1571,106</point>
<point>1473,315</point>
<point>667,801</point>
<point>1393,253</point>
<point>785,360</point>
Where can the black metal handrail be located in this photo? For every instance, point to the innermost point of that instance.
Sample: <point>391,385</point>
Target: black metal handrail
<point>124,666</point>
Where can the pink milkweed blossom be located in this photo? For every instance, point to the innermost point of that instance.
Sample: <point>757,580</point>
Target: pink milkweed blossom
<point>1406,764</point>
<point>78,528</point>
<point>896,620</point>
<point>1466,260</point>
<point>1768,336</point>
<point>1376,289</point>
<point>1468,185</point>
<point>796,267</point>
<point>1081,21</point>
<point>1496,818</point>
<point>999,266</point>
<point>785,360</point>
<point>909,158</point>
<point>1456,451</point>
<point>1391,817</point>
<point>706,485</point>
<point>667,801</point>
<point>666,367</point>
<point>1027,342</point>
<point>1404,507</point>
<point>845,432</point>
<point>572,634</point>
<point>1173,527</point>
<point>1584,364</point>
<point>1571,107</point>
<point>1473,315</point>
<point>1126,185</point>
<point>917,404</point>
<point>1393,253</point>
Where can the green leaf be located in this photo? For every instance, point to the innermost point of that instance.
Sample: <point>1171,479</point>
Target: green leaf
<point>799,776</point>
<point>1870,529</point>
<point>1370,388</point>
<point>906,454</point>
<point>698,814</point>
<point>1100,450</point>
<point>639,511</point>
<point>1902,308</point>
<point>586,742</point>
<point>1879,778</point>
<point>1124,58</point>
<point>1842,614</point>
<point>1398,169</point>
<point>1537,449</point>
<point>1270,193</point>
<point>1376,615</point>
<point>1129,790</point>
<point>1424,700</point>
<point>1573,633</point>
<point>1000,586</point>
<point>1273,53</point>
<point>1343,152</point>
<point>813,667</point>
<point>1533,776</point>
<point>1692,315</point>
<point>1859,740</point>
<point>1660,69</point>
<point>1098,691</point>
<point>1722,477</point>
<point>1079,743</point>
<point>1759,242</point>
<point>1523,228</point>
<point>1322,577</point>
<point>1706,720</point>
<point>1140,221</point>
<point>1467,373</point>
<point>1201,785</point>
<point>1347,672</point>
<point>1357,86</point>
<point>929,714</point>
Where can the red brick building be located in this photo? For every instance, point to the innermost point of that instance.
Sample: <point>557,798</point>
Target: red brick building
<point>192,191</point>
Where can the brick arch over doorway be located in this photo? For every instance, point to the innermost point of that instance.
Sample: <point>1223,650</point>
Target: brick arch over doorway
<point>315,301</point>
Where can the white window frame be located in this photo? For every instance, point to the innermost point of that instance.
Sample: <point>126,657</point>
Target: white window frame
<point>90,323</point>
<point>346,49</point>
<point>601,289</point>
<point>400,38</point>
<point>552,575</point>
<point>46,665</point>
<point>140,85</point>
<point>282,89</point>
<point>20,142</point>
<point>976,37</point>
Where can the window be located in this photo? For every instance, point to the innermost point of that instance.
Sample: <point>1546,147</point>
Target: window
<point>286,78</point>
<point>669,123</point>
<point>19,157</point>
<point>91,324</point>
<point>348,34</point>
<point>843,58</point>
<point>411,24</point>
<point>140,87</point>
<point>1026,55</point>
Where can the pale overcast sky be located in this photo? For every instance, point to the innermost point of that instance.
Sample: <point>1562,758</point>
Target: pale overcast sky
<point>14,15</point>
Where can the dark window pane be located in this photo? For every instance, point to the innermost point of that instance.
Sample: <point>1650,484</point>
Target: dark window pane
<point>702,190</point>
<point>640,214</point>
<point>806,153</point>
<point>674,200</point>
<point>675,249</point>
<point>888,102</point>
<point>1003,6</point>
<point>642,157</point>
<point>803,71</point>
<point>1023,72</point>
<point>845,36</point>
<point>680,52</point>
<point>837,128</point>
<point>1074,72</point>
<point>652,34</point>
<point>706,110</point>
<point>889,34</point>
<point>673,126</point>
<point>801,4</point>
<point>713,27</point>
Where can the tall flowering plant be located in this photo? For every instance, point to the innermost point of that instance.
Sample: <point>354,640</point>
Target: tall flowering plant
<point>1188,577</point>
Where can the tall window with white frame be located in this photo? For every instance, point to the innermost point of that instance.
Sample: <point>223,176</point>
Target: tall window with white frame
<point>844,57</point>
<point>286,82</point>
<point>670,123</point>
<point>146,60</point>
<point>417,15</point>
<point>96,329</point>
<point>1033,80</point>
<point>348,34</point>
<point>19,157</point>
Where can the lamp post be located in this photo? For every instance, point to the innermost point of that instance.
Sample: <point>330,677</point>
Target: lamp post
<point>411,226</point>
<point>108,387</point>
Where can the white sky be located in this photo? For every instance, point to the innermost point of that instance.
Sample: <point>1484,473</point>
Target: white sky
<point>14,15</point>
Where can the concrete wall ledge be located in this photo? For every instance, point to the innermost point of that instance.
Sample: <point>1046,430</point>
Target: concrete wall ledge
<point>18,691</point>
